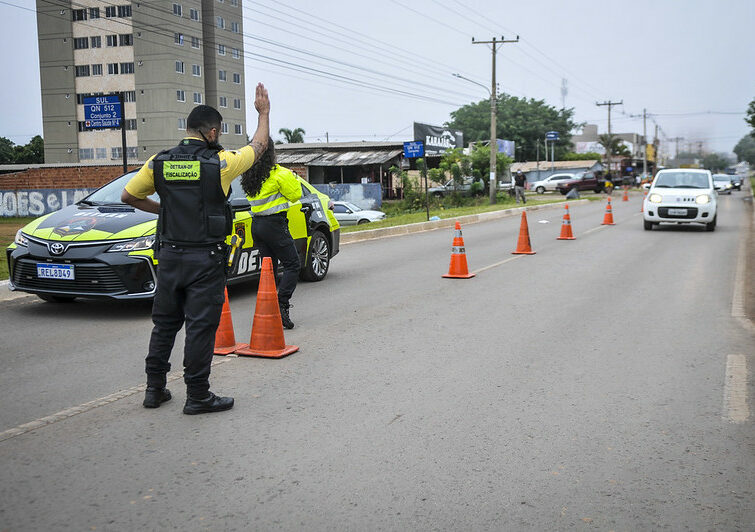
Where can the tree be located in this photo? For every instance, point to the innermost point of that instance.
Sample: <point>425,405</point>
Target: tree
<point>745,149</point>
<point>750,119</point>
<point>293,135</point>
<point>7,154</point>
<point>715,162</point>
<point>613,145</point>
<point>31,153</point>
<point>525,121</point>
<point>589,156</point>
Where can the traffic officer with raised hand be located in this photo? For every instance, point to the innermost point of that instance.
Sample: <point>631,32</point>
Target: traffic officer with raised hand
<point>272,189</point>
<point>193,181</point>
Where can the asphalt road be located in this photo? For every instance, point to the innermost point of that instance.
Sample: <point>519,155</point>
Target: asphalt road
<point>602,383</point>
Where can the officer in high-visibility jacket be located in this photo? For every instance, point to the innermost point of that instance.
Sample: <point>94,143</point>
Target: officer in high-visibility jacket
<point>271,189</point>
<point>193,182</point>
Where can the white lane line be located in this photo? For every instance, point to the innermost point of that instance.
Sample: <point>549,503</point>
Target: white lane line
<point>484,268</point>
<point>735,389</point>
<point>738,299</point>
<point>91,405</point>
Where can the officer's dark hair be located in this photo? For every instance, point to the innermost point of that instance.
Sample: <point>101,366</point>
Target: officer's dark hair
<point>203,118</point>
<point>252,179</point>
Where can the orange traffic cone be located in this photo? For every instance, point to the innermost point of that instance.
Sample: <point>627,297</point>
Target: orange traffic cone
<point>608,218</point>
<point>267,330</point>
<point>625,197</point>
<point>523,246</point>
<point>566,233</point>
<point>458,267</point>
<point>225,340</point>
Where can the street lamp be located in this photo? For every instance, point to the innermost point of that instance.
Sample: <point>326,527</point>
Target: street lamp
<point>493,136</point>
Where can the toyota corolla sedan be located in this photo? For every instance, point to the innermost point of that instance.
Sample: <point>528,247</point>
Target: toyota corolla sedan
<point>681,196</point>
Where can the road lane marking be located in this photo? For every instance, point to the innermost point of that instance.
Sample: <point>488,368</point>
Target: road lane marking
<point>738,299</point>
<point>86,407</point>
<point>736,409</point>
<point>484,268</point>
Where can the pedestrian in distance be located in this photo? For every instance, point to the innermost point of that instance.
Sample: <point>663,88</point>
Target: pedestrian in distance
<point>271,190</point>
<point>519,181</point>
<point>193,182</point>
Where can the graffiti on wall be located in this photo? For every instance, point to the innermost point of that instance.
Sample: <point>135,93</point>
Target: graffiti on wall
<point>39,201</point>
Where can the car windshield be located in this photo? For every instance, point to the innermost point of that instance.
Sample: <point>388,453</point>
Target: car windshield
<point>725,178</point>
<point>352,207</point>
<point>110,194</point>
<point>682,180</point>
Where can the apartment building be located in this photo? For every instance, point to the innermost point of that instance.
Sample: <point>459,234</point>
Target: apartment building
<point>165,57</point>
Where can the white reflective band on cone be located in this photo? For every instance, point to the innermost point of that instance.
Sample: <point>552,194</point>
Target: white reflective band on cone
<point>457,250</point>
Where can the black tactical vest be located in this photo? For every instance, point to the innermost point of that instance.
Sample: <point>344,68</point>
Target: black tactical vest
<point>194,210</point>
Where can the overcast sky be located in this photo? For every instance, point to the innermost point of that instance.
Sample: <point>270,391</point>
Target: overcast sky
<point>367,70</point>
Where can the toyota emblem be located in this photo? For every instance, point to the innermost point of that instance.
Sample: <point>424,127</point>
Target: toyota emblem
<point>57,248</point>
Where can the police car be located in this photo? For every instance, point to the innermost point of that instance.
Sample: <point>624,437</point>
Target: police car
<point>102,248</point>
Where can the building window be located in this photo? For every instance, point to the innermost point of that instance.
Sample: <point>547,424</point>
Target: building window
<point>95,42</point>
<point>112,40</point>
<point>79,14</point>
<point>178,38</point>
<point>181,123</point>
<point>124,11</point>
<point>130,124</point>
<point>237,129</point>
<point>180,96</point>
<point>197,97</point>
<point>180,67</point>
<point>223,101</point>
<point>196,70</point>
<point>221,49</point>
<point>86,153</point>
<point>195,42</point>
<point>235,27</point>
<point>222,75</point>
<point>129,96</point>
<point>97,70</point>
<point>82,71</point>
<point>235,53</point>
<point>116,152</point>
<point>224,127</point>
<point>237,103</point>
<point>194,14</point>
<point>112,68</point>
<point>219,22</point>
<point>101,153</point>
<point>177,10</point>
<point>236,77</point>
<point>127,68</point>
<point>80,43</point>
<point>94,12</point>
<point>83,127</point>
<point>110,11</point>
<point>234,3</point>
<point>126,39</point>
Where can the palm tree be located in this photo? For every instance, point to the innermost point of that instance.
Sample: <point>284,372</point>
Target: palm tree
<point>614,146</point>
<point>293,136</point>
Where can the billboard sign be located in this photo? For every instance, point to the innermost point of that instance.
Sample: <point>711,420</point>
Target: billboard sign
<point>437,139</point>
<point>507,147</point>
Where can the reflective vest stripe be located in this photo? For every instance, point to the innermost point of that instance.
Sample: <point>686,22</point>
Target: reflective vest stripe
<point>263,201</point>
<point>273,209</point>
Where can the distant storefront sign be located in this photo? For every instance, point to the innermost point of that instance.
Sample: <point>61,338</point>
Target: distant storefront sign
<point>437,139</point>
<point>507,147</point>
<point>589,147</point>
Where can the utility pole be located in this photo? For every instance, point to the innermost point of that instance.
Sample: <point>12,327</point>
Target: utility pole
<point>564,92</point>
<point>493,107</point>
<point>609,104</point>
<point>644,144</point>
<point>676,140</point>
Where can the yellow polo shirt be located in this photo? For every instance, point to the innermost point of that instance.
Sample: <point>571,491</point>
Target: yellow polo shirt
<point>232,164</point>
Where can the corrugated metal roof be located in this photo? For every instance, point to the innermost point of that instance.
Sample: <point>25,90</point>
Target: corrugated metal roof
<point>335,158</point>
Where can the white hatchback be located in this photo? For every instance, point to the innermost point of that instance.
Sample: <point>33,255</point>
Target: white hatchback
<point>681,196</point>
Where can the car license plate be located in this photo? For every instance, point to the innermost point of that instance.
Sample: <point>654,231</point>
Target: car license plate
<point>55,271</point>
<point>677,212</point>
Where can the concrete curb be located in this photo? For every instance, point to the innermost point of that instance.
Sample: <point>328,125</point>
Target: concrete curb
<point>385,232</point>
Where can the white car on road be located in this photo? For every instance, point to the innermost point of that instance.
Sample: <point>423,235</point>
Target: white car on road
<point>550,182</point>
<point>349,214</point>
<point>681,196</point>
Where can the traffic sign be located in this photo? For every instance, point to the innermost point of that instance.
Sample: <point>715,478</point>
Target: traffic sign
<point>414,149</point>
<point>102,112</point>
<point>552,135</point>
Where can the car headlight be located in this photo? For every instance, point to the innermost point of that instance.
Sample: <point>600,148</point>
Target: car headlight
<point>655,198</point>
<point>702,199</point>
<point>21,239</point>
<point>137,244</point>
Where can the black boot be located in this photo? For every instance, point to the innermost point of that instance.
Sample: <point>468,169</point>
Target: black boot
<point>154,397</point>
<point>211,403</point>
<point>285,318</point>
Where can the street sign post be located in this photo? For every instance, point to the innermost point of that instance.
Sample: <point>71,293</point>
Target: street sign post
<point>413,150</point>
<point>552,135</point>
<point>107,112</point>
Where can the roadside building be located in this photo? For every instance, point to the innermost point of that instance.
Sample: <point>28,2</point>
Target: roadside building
<point>535,171</point>
<point>165,57</point>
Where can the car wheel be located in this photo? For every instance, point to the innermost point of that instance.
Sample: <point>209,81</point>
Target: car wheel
<point>598,189</point>
<point>648,225</point>
<point>712,225</point>
<point>318,260</point>
<point>540,190</point>
<point>563,192</point>
<point>55,299</point>
<point>363,221</point>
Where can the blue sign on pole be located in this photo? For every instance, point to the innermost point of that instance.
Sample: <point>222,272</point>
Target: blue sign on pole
<point>102,111</point>
<point>414,149</point>
<point>552,135</point>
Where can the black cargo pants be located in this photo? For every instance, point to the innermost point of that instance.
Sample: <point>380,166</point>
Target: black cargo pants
<point>272,239</point>
<point>190,284</point>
